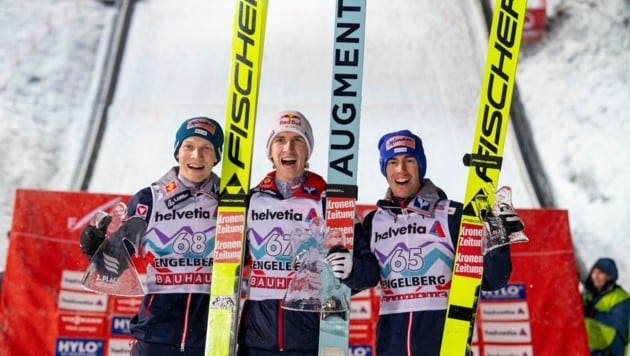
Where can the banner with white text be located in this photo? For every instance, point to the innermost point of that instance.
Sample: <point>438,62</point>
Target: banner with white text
<point>44,310</point>
<point>540,311</point>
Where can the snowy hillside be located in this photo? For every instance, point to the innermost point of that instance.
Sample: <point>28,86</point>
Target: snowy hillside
<point>575,85</point>
<point>576,89</point>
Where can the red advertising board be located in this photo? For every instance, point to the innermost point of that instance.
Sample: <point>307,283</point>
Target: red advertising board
<point>535,21</point>
<point>540,311</point>
<point>45,310</point>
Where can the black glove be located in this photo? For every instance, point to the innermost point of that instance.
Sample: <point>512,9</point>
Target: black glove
<point>589,311</point>
<point>505,219</point>
<point>93,236</point>
<point>511,221</point>
<point>116,251</point>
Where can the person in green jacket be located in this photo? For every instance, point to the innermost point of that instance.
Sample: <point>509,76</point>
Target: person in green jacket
<point>606,310</point>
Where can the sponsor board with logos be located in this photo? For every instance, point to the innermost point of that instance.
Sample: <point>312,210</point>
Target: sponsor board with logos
<point>45,264</point>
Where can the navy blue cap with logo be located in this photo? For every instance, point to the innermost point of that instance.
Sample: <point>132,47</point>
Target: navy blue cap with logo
<point>402,142</point>
<point>201,127</point>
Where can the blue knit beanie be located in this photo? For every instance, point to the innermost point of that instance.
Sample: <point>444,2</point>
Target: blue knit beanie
<point>399,143</point>
<point>201,127</point>
<point>608,266</point>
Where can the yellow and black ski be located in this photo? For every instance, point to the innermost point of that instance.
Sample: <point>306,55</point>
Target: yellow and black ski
<point>485,165</point>
<point>245,67</point>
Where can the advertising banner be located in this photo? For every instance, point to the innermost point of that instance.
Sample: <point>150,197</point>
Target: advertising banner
<point>540,311</point>
<point>45,310</point>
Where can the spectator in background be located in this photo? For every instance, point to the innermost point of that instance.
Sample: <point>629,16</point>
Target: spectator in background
<point>606,310</point>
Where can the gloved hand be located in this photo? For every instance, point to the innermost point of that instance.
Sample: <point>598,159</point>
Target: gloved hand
<point>511,221</point>
<point>121,244</point>
<point>93,236</point>
<point>340,261</point>
<point>504,219</point>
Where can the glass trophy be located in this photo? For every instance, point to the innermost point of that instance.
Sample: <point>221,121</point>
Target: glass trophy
<point>111,270</point>
<point>494,217</point>
<point>314,287</point>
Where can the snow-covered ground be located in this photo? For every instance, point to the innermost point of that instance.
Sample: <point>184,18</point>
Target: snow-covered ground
<point>575,85</point>
<point>576,89</point>
<point>47,61</point>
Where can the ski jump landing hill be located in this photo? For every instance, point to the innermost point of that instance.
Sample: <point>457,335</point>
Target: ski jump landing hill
<point>422,71</point>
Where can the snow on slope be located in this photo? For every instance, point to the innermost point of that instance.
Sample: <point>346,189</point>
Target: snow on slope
<point>576,88</point>
<point>47,59</point>
<point>413,79</point>
<point>574,84</point>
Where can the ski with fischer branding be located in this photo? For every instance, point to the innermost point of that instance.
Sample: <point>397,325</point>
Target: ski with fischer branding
<point>245,68</point>
<point>485,166</point>
<point>343,152</point>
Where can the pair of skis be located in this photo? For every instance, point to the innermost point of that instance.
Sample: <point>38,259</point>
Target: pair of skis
<point>341,193</point>
<point>248,38</point>
<point>485,166</point>
<point>485,163</point>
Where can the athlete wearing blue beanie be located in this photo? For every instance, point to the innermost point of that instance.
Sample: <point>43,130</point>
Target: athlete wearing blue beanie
<point>201,127</point>
<point>398,143</point>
